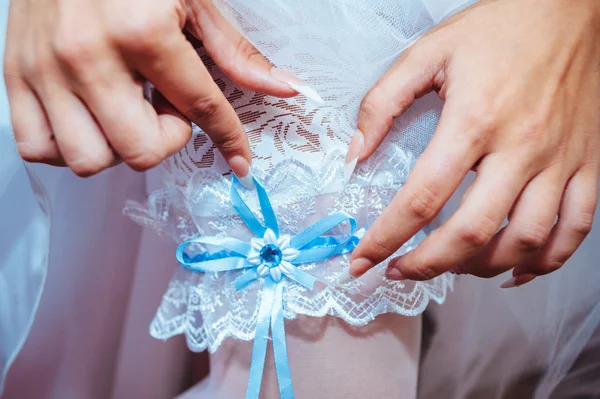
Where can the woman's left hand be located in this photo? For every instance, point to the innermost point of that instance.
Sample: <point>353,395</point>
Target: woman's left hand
<point>521,81</point>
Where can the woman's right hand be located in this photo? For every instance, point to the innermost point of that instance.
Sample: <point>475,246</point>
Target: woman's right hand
<point>74,73</point>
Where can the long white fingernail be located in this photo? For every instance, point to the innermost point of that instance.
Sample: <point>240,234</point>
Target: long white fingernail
<point>518,281</point>
<point>355,148</point>
<point>510,283</point>
<point>360,266</point>
<point>345,277</point>
<point>297,84</point>
<point>241,168</point>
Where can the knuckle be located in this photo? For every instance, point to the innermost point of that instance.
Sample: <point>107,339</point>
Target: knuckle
<point>477,233</point>
<point>552,267</point>
<point>582,226</point>
<point>246,51</point>
<point>204,108</point>
<point>140,32</point>
<point>367,106</point>
<point>11,67</point>
<point>537,145</point>
<point>473,137</point>
<point>35,151</point>
<point>482,118</point>
<point>144,159</point>
<point>228,141</point>
<point>421,273</point>
<point>91,164</point>
<point>424,204</point>
<point>36,68</point>
<point>175,140</point>
<point>378,105</point>
<point>75,49</point>
<point>548,267</point>
<point>380,248</point>
<point>532,237</point>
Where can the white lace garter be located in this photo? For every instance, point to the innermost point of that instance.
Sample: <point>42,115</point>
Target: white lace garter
<point>299,149</point>
<point>207,308</point>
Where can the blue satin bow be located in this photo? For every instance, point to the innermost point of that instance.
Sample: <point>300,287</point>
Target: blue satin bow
<point>270,259</point>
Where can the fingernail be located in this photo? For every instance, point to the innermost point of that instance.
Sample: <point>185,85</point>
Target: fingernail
<point>394,274</point>
<point>345,277</point>
<point>355,148</point>
<point>297,84</point>
<point>510,283</point>
<point>517,281</point>
<point>359,266</point>
<point>241,168</point>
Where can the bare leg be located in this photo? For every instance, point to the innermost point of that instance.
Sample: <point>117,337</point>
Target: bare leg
<point>329,359</point>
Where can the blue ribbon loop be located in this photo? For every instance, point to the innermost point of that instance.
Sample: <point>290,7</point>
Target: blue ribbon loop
<point>311,245</point>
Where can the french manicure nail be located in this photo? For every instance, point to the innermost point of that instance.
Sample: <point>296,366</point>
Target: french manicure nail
<point>510,283</point>
<point>517,281</point>
<point>241,168</point>
<point>394,274</point>
<point>355,148</point>
<point>297,84</point>
<point>359,266</point>
<point>345,277</point>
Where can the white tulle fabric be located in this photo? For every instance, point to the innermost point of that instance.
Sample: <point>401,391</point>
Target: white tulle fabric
<point>340,48</point>
<point>208,308</point>
<point>487,342</point>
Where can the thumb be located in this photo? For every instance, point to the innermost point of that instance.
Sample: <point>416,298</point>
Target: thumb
<point>235,55</point>
<point>419,70</point>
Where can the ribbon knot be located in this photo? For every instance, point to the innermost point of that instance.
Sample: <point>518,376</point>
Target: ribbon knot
<point>269,256</point>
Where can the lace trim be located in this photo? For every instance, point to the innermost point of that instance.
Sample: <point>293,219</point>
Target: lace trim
<point>184,303</point>
<point>208,309</point>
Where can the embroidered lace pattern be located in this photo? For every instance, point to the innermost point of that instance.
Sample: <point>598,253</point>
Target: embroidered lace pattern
<point>299,149</point>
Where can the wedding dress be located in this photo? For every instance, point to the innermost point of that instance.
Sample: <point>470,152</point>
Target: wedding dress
<point>339,48</point>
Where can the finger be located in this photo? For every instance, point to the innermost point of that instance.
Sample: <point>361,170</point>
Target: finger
<point>170,119</point>
<point>574,223</point>
<point>418,70</point>
<point>235,55</point>
<point>472,226</point>
<point>81,142</point>
<point>99,76</point>
<point>178,73</point>
<point>529,227</point>
<point>142,137</point>
<point>436,175</point>
<point>33,135</point>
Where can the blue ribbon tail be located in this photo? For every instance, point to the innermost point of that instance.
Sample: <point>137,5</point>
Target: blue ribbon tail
<point>282,365</point>
<point>261,338</point>
<point>318,242</point>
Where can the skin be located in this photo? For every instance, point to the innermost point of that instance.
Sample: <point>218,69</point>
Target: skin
<point>522,98</point>
<point>521,81</point>
<point>74,73</point>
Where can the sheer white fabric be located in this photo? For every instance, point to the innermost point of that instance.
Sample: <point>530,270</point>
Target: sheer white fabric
<point>299,146</point>
<point>209,309</point>
<point>487,341</point>
<point>518,343</point>
<point>23,249</point>
<point>24,234</point>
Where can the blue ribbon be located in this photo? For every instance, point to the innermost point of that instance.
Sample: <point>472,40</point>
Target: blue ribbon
<point>312,245</point>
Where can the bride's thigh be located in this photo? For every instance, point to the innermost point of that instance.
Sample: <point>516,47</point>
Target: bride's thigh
<point>328,359</point>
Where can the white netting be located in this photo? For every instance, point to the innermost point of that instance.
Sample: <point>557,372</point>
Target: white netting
<point>340,48</point>
<point>208,308</point>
